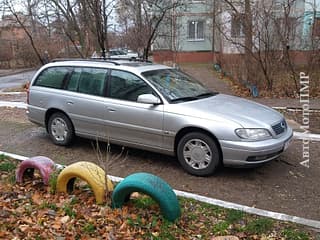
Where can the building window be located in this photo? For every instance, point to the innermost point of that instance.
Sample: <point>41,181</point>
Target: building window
<point>196,30</point>
<point>237,25</point>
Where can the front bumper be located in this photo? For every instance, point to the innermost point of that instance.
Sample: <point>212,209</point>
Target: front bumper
<point>246,154</point>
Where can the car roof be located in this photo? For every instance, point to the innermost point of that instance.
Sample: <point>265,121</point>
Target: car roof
<point>128,65</point>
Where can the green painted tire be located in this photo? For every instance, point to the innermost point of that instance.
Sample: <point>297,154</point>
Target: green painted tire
<point>150,185</point>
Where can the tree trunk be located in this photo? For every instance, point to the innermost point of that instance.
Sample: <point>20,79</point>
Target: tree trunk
<point>248,41</point>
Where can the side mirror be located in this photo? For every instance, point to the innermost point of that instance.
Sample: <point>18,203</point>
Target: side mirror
<point>149,99</point>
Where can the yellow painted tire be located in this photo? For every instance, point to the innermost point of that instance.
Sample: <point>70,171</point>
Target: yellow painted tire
<point>89,172</point>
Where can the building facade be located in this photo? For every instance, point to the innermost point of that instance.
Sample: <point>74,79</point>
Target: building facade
<point>201,30</point>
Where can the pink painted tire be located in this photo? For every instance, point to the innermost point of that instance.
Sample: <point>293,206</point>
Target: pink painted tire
<point>43,164</point>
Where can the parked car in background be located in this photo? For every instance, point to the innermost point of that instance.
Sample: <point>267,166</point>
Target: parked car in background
<point>157,108</point>
<point>122,54</point>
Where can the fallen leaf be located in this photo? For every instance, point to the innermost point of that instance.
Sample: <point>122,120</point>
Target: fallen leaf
<point>23,227</point>
<point>36,198</point>
<point>64,219</point>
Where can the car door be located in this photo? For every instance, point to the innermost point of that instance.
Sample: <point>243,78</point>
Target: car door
<point>132,122</point>
<point>85,100</point>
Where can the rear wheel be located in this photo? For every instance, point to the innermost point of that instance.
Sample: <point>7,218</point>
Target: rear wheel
<point>198,154</point>
<point>60,129</point>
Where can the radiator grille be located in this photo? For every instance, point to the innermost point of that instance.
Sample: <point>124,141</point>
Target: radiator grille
<point>280,127</point>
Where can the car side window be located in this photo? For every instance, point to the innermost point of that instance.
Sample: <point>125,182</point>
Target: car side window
<point>52,77</point>
<point>88,80</point>
<point>127,86</point>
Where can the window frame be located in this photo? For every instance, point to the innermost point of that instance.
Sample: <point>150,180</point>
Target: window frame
<point>196,38</point>
<point>154,91</point>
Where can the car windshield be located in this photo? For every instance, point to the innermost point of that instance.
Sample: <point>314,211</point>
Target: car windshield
<point>177,86</point>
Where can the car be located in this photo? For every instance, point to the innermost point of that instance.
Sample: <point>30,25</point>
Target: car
<point>156,108</point>
<point>121,54</point>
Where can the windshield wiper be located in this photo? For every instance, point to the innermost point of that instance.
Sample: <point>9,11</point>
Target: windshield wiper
<point>207,94</point>
<point>184,99</point>
<point>192,98</point>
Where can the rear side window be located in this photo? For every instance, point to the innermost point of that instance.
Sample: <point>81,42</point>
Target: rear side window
<point>88,80</point>
<point>52,77</point>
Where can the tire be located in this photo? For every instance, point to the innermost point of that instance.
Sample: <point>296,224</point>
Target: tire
<point>43,164</point>
<point>151,185</point>
<point>88,172</point>
<point>198,154</point>
<point>60,129</point>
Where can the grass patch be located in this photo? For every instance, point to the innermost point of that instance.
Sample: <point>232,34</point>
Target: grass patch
<point>294,234</point>
<point>220,228</point>
<point>144,202</point>
<point>69,211</point>
<point>140,218</point>
<point>259,226</point>
<point>53,180</point>
<point>89,228</point>
<point>7,167</point>
<point>234,216</point>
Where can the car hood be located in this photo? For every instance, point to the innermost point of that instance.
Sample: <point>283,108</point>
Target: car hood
<point>239,110</point>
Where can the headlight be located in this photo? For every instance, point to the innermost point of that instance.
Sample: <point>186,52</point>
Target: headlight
<point>253,134</point>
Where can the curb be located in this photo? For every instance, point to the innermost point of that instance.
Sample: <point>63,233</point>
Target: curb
<point>221,203</point>
<point>308,136</point>
<point>13,104</point>
<point>296,109</point>
<point>11,93</point>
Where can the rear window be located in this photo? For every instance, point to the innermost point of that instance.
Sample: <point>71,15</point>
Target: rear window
<point>52,77</point>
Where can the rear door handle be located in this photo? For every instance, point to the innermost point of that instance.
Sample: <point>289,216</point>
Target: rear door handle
<point>111,109</point>
<point>70,103</point>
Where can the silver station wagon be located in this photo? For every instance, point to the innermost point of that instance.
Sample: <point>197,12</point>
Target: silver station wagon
<point>156,108</point>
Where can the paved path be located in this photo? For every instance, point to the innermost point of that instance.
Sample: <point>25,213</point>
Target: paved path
<point>205,74</point>
<point>7,72</point>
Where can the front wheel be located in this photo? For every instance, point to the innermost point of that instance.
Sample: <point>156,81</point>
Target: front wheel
<point>60,129</point>
<point>198,154</point>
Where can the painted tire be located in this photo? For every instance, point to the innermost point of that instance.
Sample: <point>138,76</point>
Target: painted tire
<point>150,185</point>
<point>43,164</point>
<point>89,172</point>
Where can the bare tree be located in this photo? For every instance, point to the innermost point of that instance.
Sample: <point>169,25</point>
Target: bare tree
<point>264,32</point>
<point>97,20</point>
<point>9,5</point>
<point>145,18</point>
<point>72,26</point>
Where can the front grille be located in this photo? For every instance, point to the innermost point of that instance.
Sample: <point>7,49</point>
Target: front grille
<point>280,127</point>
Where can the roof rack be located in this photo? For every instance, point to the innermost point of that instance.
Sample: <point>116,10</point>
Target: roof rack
<point>85,60</point>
